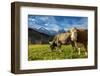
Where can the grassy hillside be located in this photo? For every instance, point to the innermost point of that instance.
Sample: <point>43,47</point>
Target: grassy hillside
<point>43,52</point>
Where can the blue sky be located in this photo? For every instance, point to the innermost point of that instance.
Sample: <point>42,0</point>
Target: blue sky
<point>57,22</point>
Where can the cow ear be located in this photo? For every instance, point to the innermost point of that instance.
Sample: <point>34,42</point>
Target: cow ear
<point>50,43</point>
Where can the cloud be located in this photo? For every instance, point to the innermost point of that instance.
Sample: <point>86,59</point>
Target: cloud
<point>53,27</point>
<point>31,19</point>
<point>57,22</point>
<point>43,18</point>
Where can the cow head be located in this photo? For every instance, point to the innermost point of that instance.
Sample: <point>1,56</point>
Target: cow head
<point>73,32</point>
<point>52,45</point>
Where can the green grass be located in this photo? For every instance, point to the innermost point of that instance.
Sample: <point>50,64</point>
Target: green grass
<point>43,52</point>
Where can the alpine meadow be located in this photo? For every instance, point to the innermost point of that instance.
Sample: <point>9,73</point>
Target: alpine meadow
<point>57,37</point>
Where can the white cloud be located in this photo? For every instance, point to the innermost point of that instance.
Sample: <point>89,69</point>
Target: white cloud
<point>46,24</point>
<point>53,27</point>
<point>31,19</point>
<point>44,18</point>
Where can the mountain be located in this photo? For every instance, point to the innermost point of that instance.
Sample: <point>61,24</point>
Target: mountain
<point>48,31</point>
<point>43,30</point>
<point>36,37</point>
<point>53,32</point>
<point>61,31</point>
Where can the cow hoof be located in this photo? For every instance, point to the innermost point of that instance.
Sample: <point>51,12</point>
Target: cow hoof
<point>86,54</point>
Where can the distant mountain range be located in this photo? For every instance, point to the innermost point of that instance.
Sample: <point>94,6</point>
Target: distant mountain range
<point>48,32</point>
<point>35,37</point>
<point>41,35</point>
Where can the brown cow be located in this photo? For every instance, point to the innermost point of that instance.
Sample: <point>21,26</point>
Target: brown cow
<point>79,36</point>
<point>73,37</point>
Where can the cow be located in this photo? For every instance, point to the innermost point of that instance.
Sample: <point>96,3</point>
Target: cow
<point>74,36</point>
<point>60,39</point>
<point>79,36</point>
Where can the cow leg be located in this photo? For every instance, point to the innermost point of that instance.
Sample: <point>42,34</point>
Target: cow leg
<point>74,48</point>
<point>59,47</point>
<point>74,45</point>
<point>86,51</point>
<point>52,48</point>
<point>78,48</point>
<point>79,51</point>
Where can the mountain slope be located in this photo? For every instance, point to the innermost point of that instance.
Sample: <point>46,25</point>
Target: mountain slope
<point>36,37</point>
<point>49,32</point>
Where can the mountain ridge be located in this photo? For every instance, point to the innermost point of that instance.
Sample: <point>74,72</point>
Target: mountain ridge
<point>48,32</point>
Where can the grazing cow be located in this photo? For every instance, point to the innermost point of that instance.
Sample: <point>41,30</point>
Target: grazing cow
<point>60,39</point>
<point>73,37</point>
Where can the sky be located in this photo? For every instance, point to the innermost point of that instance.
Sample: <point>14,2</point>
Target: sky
<point>57,22</point>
